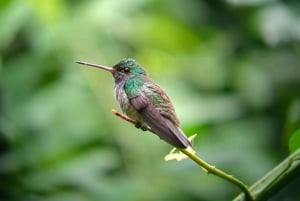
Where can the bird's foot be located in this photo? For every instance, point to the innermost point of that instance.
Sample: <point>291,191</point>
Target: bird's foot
<point>138,125</point>
<point>134,122</point>
<point>141,126</point>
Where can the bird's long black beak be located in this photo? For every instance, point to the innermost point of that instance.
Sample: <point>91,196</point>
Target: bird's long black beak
<point>106,68</point>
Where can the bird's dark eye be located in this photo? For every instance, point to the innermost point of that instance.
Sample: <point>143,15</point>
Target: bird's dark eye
<point>126,70</point>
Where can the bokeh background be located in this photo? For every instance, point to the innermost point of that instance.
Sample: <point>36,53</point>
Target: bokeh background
<point>232,69</point>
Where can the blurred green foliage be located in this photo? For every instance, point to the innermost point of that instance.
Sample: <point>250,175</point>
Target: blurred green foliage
<point>294,142</point>
<point>232,69</point>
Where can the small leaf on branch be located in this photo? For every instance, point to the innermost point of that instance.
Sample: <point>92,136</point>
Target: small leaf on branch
<point>173,155</point>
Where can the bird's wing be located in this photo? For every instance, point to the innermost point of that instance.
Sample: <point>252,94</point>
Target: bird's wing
<point>161,101</point>
<point>161,126</point>
<point>154,106</point>
<point>144,93</point>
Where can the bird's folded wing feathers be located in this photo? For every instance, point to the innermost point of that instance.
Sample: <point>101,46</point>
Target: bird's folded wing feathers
<point>161,101</point>
<point>140,102</point>
<point>162,126</point>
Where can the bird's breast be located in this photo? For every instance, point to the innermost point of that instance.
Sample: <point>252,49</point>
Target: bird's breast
<point>125,105</point>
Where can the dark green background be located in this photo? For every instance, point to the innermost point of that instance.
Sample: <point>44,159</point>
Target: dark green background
<point>232,69</point>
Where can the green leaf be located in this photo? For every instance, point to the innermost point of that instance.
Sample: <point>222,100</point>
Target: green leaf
<point>294,142</point>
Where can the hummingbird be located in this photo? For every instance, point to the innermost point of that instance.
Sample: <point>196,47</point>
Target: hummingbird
<point>144,101</point>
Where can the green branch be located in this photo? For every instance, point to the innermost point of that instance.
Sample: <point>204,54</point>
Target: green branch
<point>219,173</point>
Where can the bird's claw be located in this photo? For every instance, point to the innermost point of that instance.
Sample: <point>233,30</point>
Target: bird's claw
<point>138,125</point>
<point>142,127</point>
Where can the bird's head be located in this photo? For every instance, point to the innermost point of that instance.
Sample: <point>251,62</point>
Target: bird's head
<point>122,71</point>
